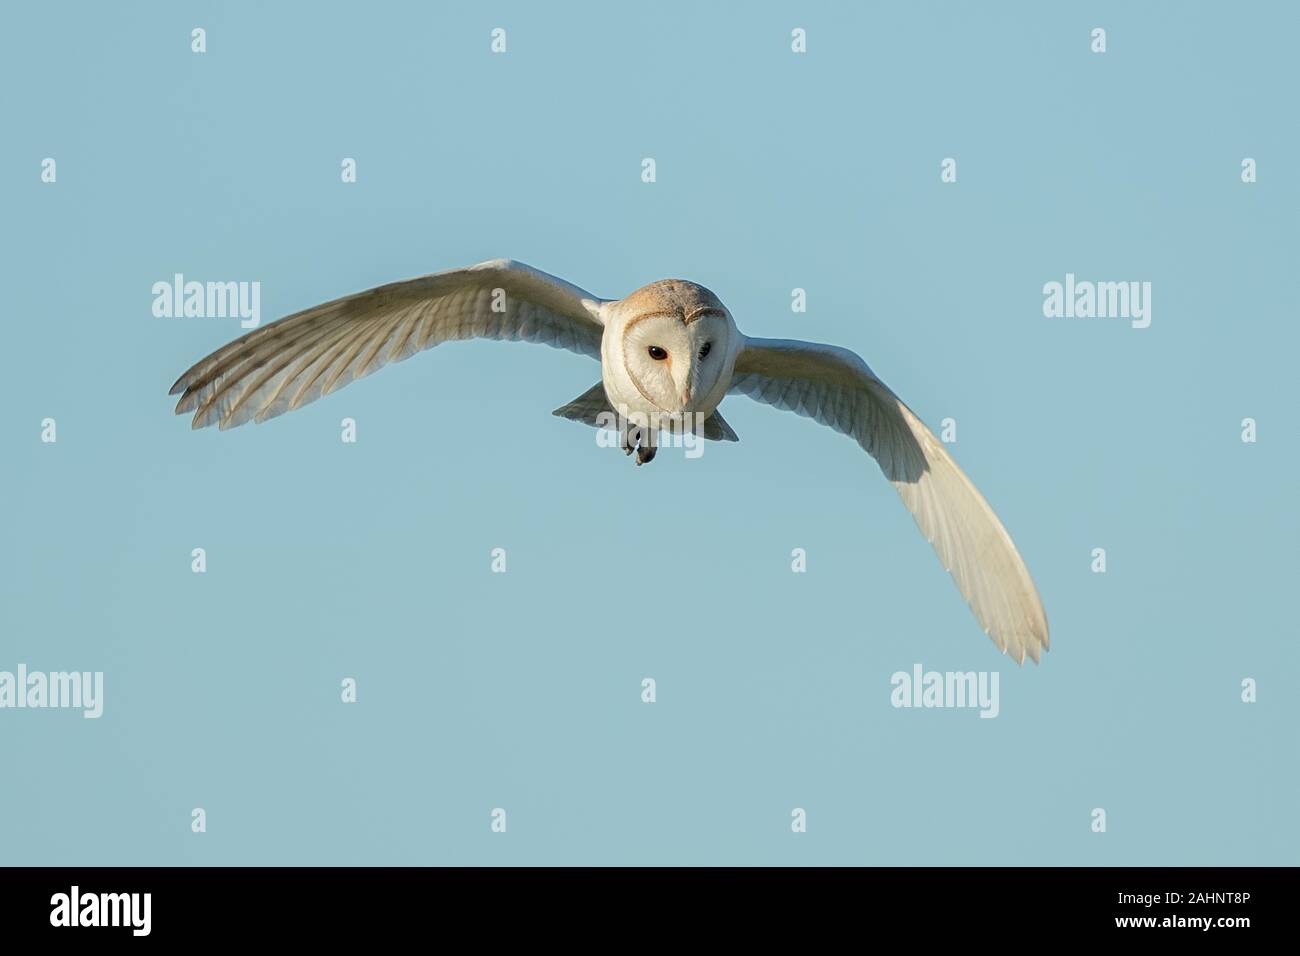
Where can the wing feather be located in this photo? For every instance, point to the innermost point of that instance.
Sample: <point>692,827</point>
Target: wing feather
<point>302,357</point>
<point>835,387</point>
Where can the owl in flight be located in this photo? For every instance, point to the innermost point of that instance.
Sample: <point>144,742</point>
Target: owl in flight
<point>669,351</point>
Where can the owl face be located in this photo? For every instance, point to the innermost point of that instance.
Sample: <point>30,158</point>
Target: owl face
<point>676,345</point>
<point>672,363</point>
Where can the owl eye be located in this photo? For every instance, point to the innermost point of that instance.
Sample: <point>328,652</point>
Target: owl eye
<point>704,352</point>
<point>657,353</point>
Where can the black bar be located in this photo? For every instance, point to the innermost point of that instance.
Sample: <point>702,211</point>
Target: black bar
<point>210,905</point>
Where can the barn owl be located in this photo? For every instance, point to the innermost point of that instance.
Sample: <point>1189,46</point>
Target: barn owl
<point>669,349</point>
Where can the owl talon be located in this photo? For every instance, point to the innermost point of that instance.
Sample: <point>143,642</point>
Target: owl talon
<point>645,454</point>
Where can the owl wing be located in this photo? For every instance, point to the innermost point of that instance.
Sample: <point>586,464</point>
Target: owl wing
<point>836,388</point>
<point>295,360</point>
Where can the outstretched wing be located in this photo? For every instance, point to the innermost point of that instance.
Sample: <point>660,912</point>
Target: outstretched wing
<point>297,359</point>
<point>836,388</point>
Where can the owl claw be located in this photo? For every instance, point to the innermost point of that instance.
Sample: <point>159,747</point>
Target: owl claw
<point>638,440</point>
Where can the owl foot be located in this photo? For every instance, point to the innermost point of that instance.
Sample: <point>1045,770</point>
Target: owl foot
<point>638,440</point>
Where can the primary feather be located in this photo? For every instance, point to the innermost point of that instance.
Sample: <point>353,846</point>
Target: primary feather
<point>297,359</point>
<point>836,388</point>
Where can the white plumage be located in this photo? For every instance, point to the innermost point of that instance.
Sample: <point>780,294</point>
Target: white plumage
<point>669,348</point>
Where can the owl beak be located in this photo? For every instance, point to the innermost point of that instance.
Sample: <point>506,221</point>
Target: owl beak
<point>685,387</point>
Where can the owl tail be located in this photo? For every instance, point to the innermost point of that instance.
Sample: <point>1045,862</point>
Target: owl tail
<point>588,408</point>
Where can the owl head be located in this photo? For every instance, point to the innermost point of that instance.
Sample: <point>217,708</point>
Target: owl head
<point>675,341</point>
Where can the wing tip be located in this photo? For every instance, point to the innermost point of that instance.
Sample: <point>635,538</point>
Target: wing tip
<point>1032,644</point>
